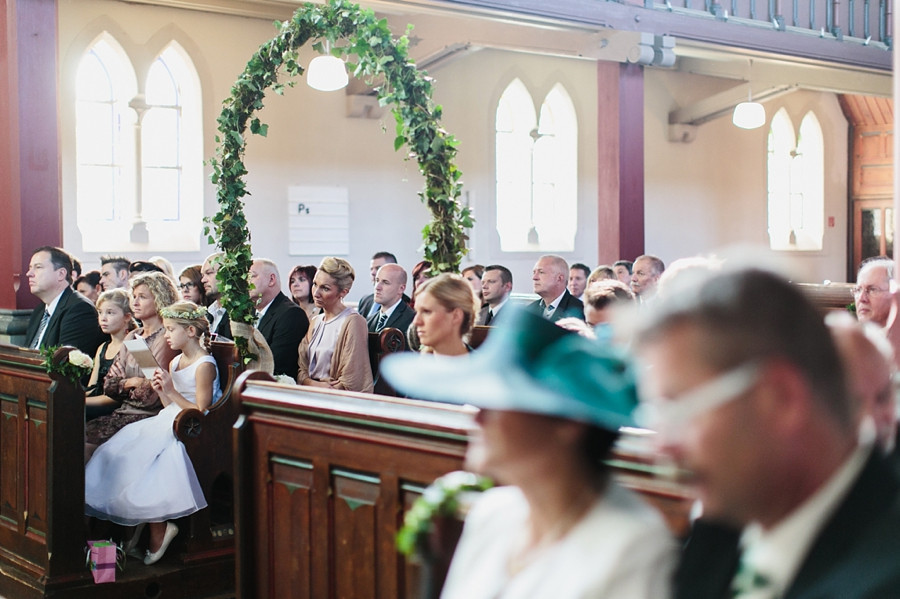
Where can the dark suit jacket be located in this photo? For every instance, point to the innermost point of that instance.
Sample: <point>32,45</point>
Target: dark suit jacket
<point>854,556</point>
<point>365,304</point>
<point>284,325</point>
<point>224,328</point>
<point>569,306</point>
<point>400,318</point>
<point>74,322</point>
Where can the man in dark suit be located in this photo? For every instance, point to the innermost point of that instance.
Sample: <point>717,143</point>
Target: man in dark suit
<point>366,306</point>
<point>220,324</point>
<point>390,283</point>
<point>282,322</point>
<point>65,317</point>
<point>549,278</point>
<point>747,394</point>
<point>496,285</point>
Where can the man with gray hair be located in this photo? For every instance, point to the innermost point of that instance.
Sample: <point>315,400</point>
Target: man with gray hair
<point>746,391</point>
<point>872,292</point>
<point>645,274</point>
<point>549,278</point>
<point>282,322</point>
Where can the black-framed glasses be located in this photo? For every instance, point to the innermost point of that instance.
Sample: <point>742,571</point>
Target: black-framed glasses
<point>186,286</point>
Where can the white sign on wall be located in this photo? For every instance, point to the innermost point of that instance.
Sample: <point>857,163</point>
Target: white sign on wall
<point>318,221</point>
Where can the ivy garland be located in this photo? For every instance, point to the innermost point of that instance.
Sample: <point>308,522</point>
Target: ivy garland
<point>408,90</point>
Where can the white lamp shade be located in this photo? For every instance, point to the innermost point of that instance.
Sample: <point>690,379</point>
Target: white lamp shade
<point>327,73</point>
<point>749,115</point>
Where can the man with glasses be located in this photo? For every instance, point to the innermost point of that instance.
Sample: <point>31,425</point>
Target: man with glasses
<point>746,391</point>
<point>872,293</point>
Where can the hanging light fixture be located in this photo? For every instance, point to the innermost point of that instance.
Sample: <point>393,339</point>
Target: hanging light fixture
<point>749,114</point>
<point>327,73</point>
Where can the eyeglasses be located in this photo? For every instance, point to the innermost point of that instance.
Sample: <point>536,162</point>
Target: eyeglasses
<point>186,286</point>
<point>672,414</point>
<point>871,290</point>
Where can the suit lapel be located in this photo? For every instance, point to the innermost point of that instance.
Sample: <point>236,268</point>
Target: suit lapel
<point>51,335</point>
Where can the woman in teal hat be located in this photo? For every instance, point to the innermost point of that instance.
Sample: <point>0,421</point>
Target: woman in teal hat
<point>551,406</point>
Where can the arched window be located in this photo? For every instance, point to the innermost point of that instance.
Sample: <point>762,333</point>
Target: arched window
<point>140,155</point>
<point>537,171</point>
<point>104,133</point>
<point>796,183</point>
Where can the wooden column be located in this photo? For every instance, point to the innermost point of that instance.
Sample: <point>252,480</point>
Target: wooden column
<point>29,142</point>
<point>620,168</point>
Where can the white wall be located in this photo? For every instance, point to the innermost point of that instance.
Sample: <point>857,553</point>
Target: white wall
<point>710,193</point>
<point>699,196</point>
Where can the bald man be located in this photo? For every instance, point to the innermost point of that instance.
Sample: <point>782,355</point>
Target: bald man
<point>282,322</point>
<point>390,283</point>
<point>549,278</point>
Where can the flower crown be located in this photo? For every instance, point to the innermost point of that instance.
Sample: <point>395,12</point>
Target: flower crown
<point>199,313</point>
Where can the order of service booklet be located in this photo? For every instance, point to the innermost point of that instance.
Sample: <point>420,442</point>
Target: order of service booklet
<point>142,355</point>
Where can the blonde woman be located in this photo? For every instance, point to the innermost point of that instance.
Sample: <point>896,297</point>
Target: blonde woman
<point>445,312</point>
<point>335,351</point>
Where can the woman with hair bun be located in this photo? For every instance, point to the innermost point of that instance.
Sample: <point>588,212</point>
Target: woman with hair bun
<point>445,312</point>
<point>335,351</point>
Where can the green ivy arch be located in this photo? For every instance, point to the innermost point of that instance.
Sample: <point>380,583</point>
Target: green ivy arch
<point>378,55</point>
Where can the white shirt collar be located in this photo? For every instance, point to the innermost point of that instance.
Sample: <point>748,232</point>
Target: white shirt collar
<point>778,553</point>
<point>496,309</point>
<point>555,303</point>
<point>391,309</point>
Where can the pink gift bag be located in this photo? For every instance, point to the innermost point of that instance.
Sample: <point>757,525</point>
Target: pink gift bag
<point>102,556</point>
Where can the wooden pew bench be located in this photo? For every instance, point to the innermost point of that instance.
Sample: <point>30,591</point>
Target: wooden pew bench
<point>390,340</point>
<point>42,532</point>
<point>324,478</point>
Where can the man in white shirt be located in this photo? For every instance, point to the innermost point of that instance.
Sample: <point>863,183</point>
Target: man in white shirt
<point>282,322</point>
<point>645,275</point>
<point>578,276</point>
<point>220,324</point>
<point>496,285</point>
<point>872,293</point>
<point>549,279</point>
<point>745,389</point>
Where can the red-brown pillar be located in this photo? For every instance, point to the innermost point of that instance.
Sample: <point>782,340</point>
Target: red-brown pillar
<point>29,142</point>
<point>620,168</point>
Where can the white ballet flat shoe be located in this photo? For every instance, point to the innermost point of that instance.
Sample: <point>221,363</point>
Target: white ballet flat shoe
<point>152,558</point>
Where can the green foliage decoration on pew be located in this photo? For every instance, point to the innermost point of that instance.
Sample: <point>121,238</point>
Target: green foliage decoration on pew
<point>378,55</point>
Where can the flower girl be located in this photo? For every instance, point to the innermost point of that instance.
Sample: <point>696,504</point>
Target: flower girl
<point>143,473</point>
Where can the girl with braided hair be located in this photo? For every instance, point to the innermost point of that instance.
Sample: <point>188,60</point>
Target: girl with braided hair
<point>143,473</point>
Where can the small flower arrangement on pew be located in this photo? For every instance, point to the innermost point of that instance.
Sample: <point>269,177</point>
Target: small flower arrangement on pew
<point>441,499</point>
<point>76,366</point>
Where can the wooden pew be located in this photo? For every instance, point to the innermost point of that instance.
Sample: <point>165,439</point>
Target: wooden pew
<point>207,439</point>
<point>390,340</point>
<point>42,524</point>
<point>324,478</point>
<point>829,296</point>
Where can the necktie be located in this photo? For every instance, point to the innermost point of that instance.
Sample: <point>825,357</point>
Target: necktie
<point>382,320</point>
<point>36,342</point>
<point>489,317</point>
<point>548,311</point>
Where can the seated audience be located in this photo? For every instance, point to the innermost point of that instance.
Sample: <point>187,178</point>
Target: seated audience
<point>300,284</point>
<point>89,285</point>
<point>750,399</point>
<point>163,264</point>
<point>551,406</point>
<point>645,275</point>
<point>64,316</point>
<point>143,473</point>
<point>390,283</point>
<point>76,269</point>
<point>220,328</point>
<point>549,279</point>
<point>445,313</point>
<point>125,382</point>
<point>869,361</point>
<point>114,272</point>
<point>116,320</point>
<point>282,322</point>
<point>600,273</point>
<point>578,279</point>
<point>622,269</point>
<point>421,272</point>
<point>190,283</point>
<point>496,285</point>
<point>473,275</point>
<point>872,291</point>
<point>600,300</point>
<point>335,351</point>
<point>366,305</point>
